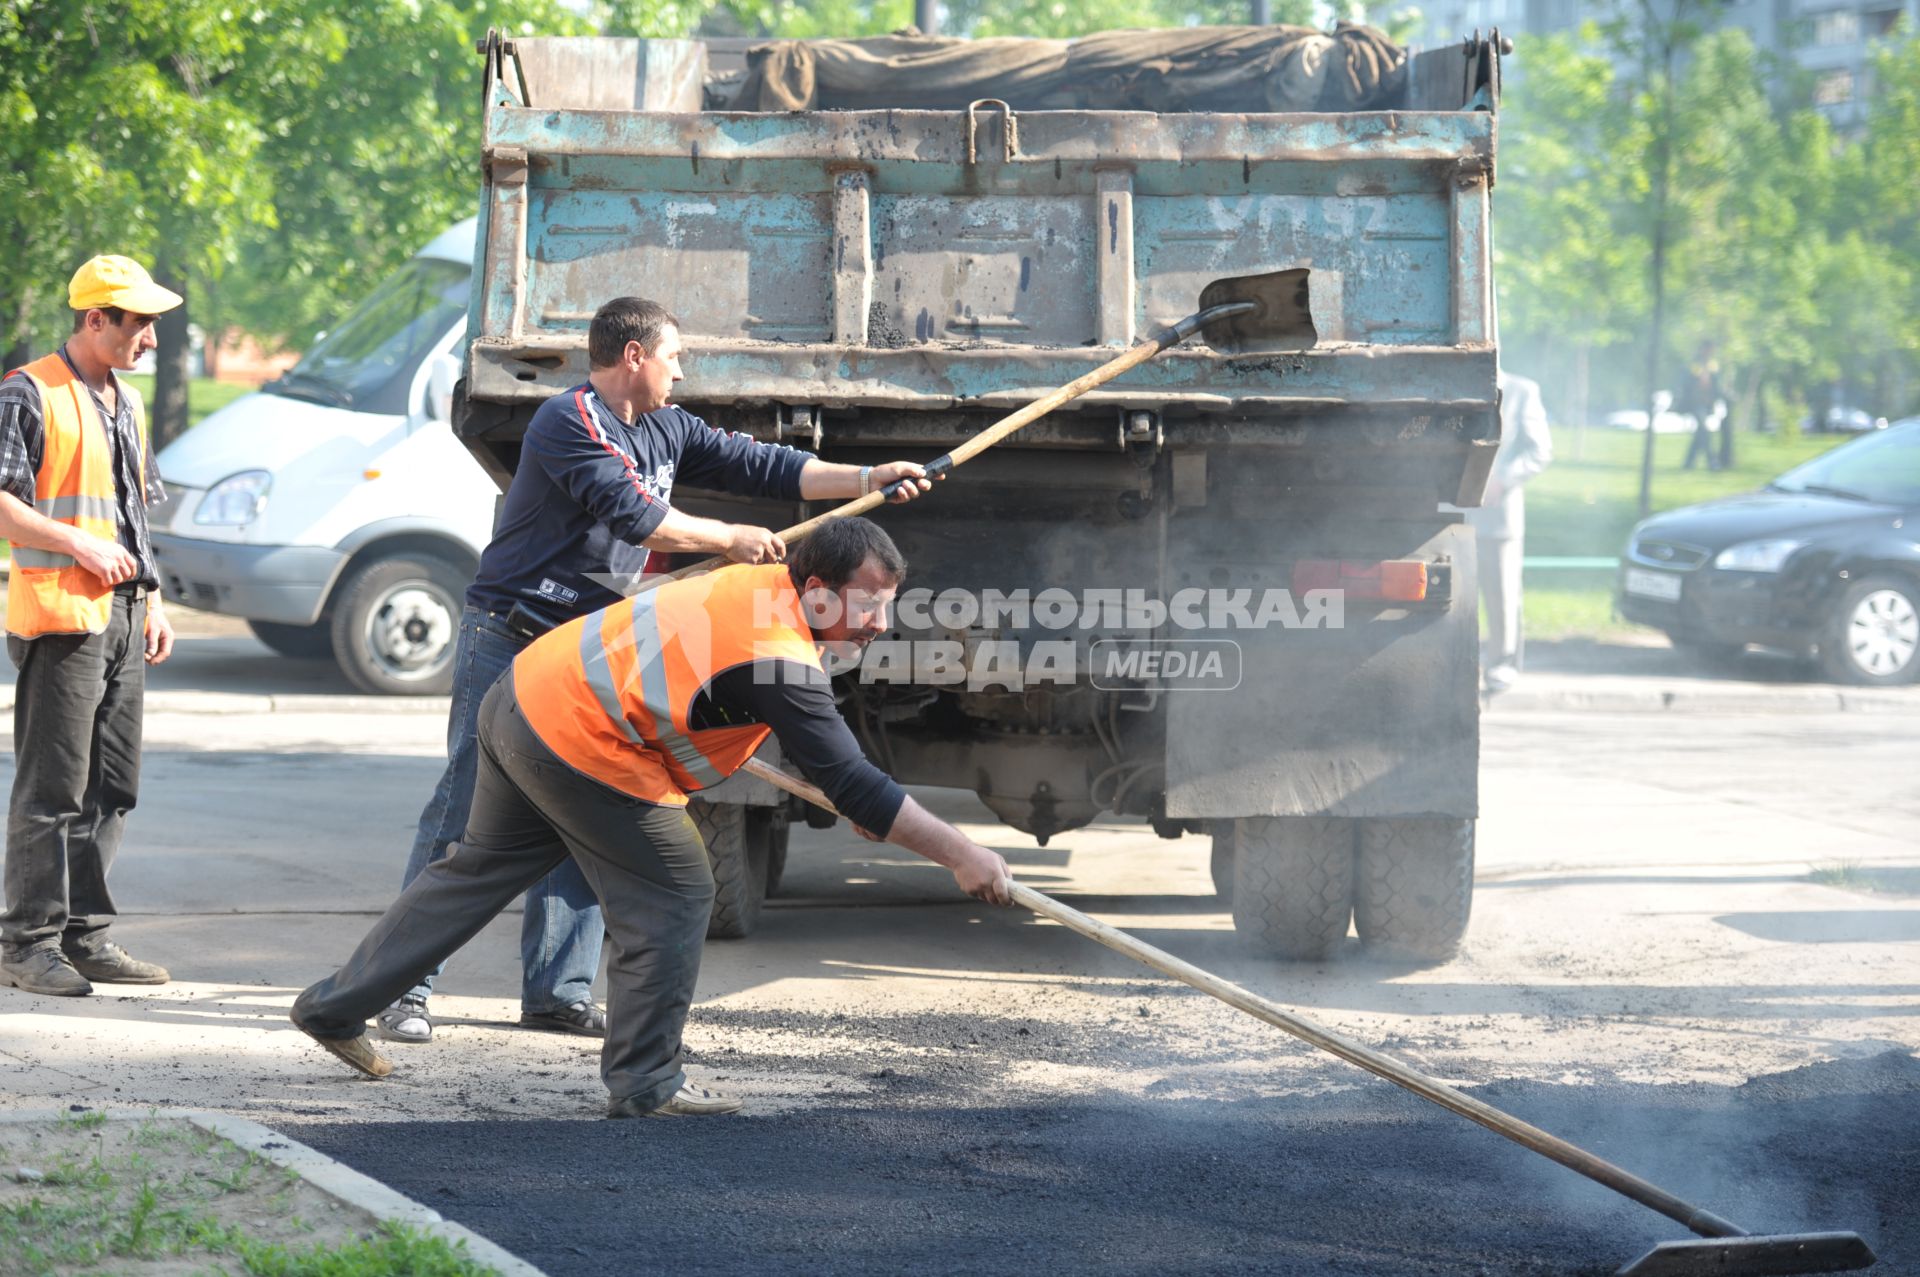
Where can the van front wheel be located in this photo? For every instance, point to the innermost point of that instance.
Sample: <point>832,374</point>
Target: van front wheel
<point>395,624</point>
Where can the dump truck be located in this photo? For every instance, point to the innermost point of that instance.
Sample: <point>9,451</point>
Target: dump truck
<point>1229,594</point>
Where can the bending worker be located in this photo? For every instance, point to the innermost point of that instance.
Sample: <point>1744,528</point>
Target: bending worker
<point>591,496</point>
<point>588,748</point>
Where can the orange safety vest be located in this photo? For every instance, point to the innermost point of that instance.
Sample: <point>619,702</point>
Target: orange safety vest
<point>49,592</point>
<point>609,693</point>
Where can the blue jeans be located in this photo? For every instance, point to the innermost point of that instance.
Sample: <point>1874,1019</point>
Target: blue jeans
<point>560,931</point>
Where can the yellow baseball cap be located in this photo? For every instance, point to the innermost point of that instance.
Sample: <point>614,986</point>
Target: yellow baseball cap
<point>108,280</point>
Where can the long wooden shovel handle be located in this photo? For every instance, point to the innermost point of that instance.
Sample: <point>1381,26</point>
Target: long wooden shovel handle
<point>1703,1222</point>
<point>965,452</point>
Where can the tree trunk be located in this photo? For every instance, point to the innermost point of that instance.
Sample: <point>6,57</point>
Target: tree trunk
<point>1726,426</point>
<point>167,415</point>
<point>19,350</point>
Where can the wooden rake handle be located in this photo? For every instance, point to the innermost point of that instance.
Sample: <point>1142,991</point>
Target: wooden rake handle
<point>1703,1222</point>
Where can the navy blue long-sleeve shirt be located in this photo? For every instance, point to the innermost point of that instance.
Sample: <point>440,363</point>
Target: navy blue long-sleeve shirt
<point>590,488</point>
<point>796,701</point>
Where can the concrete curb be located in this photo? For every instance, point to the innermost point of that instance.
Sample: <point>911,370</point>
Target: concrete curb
<point>332,1178</point>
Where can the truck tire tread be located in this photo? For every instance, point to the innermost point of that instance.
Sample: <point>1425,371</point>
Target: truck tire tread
<point>1413,891</point>
<point>739,868</point>
<point>1293,884</point>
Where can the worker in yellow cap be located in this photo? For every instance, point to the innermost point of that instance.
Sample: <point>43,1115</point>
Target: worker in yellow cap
<point>83,621</point>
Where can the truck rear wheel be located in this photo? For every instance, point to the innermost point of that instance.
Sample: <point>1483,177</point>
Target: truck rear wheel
<point>1292,883</point>
<point>395,625</point>
<point>1414,889</point>
<point>739,867</point>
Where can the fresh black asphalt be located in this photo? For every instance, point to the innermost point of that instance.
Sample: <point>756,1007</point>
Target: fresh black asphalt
<point>940,1168</point>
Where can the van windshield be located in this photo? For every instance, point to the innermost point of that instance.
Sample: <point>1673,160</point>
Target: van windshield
<point>383,340</point>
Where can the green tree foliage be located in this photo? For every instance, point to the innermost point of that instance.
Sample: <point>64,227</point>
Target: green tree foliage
<point>270,161</point>
<point>371,112</point>
<point>1791,246</point>
<point>1566,271</point>
<point>122,134</point>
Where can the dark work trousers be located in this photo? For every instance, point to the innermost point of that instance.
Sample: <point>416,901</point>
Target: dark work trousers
<point>76,748</point>
<point>1701,445</point>
<point>645,863</point>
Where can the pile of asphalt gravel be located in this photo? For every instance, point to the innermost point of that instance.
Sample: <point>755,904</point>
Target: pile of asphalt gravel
<point>930,1173</point>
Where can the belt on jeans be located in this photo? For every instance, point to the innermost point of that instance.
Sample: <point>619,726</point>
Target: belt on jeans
<point>132,592</point>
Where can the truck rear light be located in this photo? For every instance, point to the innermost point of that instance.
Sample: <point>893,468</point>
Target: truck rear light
<point>1394,580</point>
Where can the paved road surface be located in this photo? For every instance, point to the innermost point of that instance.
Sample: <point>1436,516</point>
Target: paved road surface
<point>942,1086</point>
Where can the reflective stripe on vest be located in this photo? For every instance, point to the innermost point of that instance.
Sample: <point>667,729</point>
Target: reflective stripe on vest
<point>610,693</point>
<point>50,593</point>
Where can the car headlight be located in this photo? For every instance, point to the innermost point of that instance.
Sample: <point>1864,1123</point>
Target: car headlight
<point>236,500</point>
<point>1756,556</point>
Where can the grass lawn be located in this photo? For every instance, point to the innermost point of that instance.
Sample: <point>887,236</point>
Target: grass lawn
<point>204,396</point>
<point>87,1195</point>
<point>1584,506</point>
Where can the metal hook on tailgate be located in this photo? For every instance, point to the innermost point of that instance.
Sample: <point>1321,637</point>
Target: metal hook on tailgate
<point>1011,133</point>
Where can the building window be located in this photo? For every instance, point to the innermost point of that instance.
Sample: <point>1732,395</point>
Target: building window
<point>1841,26</point>
<point>1833,88</point>
<point>1883,22</point>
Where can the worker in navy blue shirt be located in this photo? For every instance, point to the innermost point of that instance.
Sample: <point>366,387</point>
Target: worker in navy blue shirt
<point>592,495</point>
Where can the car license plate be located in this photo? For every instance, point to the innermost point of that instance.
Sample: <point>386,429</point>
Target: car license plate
<point>1653,585</point>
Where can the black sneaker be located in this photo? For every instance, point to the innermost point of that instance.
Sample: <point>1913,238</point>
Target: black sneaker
<point>110,964</point>
<point>582,1017</point>
<point>43,969</point>
<point>688,1101</point>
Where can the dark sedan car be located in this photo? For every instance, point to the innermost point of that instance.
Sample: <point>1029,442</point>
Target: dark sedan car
<point>1823,562</point>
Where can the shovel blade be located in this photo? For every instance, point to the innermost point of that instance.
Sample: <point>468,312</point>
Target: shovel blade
<point>1782,1253</point>
<point>1282,321</point>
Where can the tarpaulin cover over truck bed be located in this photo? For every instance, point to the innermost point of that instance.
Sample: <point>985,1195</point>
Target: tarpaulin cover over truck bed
<point>1234,69</point>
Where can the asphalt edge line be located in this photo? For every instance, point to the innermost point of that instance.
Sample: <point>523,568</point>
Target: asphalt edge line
<point>335,1179</point>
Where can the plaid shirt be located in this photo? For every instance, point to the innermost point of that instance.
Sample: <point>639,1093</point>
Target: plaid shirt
<point>23,438</point>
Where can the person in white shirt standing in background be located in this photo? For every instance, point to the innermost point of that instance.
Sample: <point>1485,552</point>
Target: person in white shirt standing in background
<point>1500,524</point>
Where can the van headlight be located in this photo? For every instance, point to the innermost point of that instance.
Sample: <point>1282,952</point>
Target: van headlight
<point>1756,556</point>
<point>236,500</point>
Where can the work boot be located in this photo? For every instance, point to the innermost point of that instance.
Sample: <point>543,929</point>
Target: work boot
<point>355,1051</point>
<point>688,1101</point>
<point>43,969</point>
<point>582,1017</point>
<point>406,1021</point>
<point>110,964</point>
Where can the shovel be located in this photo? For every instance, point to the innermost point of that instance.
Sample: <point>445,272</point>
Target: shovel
<point>1243,314</point>
<point>1728,1250</point>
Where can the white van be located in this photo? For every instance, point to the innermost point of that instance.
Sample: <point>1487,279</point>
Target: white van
<point>334,510</point>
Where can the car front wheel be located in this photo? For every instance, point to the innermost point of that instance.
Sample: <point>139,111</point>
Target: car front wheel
<point>1873,636</point>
